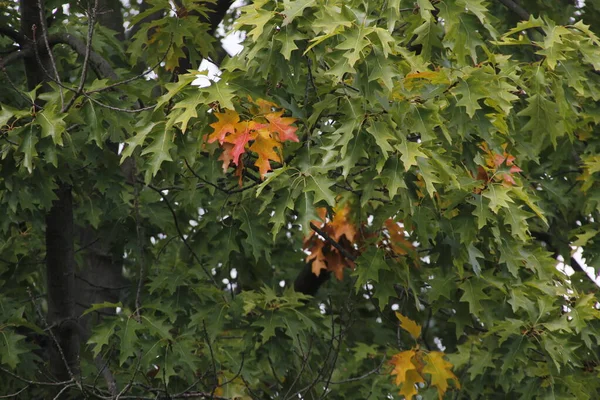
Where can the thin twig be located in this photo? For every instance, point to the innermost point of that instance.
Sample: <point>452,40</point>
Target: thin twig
<point>64,389</point>
<point>8,396</point>
<point>302,367</point>
<point>182,236</point>
<point>52,336</point>
<point>47,43</point>
<point>212,359</point>
<point>95,285</point>
<point>125,110</point>
<point>140,249</point>
<point>130,383</point>
<point>35,383</point>
<point>237,374</point>
<point>139,76</point>
<point>358,378</point>
<point>86,58</point>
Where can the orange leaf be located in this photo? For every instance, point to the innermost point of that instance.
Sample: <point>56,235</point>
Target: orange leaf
<point>440,371</point>
<point>265,106</point>
<point>226,124</point>
<point>342,226</point>
<point>226,156</point>
<point>317,257</point>
<point>264,147</point>
<point>336,264</point>
<point>282,126</point>
<point>496,161</point>
<point>409,325</point>
<point>398,242</point>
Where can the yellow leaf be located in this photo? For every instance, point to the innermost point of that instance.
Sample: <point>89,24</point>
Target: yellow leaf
<point>409,387</point>
<point>440,371</point>
<point>406,371</point>
<point>409,325</point>
<point>402,363</point>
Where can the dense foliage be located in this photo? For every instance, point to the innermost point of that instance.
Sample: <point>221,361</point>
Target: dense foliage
<point>371,202</point>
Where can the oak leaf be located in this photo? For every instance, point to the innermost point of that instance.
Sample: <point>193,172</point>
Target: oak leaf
<point>341,224</point>
<point>282,125</point>
<point>267,149</point>
<point>226,124</point>
<point>265,139</point>
<point>440,371</point>
<point>495,162</point>
<point>398,243</point>
<point>244,133</point>
<point>322,254</point>
<point>407,372</point>
<point>409,387</point>
<point>409,325</point>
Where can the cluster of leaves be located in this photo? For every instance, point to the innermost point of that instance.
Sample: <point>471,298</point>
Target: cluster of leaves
<point>235,136</point>
<point>410,365</point>
<point>454,144</point>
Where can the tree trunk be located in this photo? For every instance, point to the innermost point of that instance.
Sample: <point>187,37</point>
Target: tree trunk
<point>60,276</point>
<point>60,260</point>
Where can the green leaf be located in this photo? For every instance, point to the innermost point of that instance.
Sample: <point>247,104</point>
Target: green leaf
<point>189,104</point>
<point>219,92</point>
<point>129,339</point>
<point>157,326</point>
<point>368,266</point>
<point>256,237</point>
<point>470,91</point>
<point>355,42</point>
<point>320,185</point>
<point>392,176</point>
<point>143,129</point>
<point>294,8</point>
<point>543,121</point>
<point>100,337</point>
<point>498,196</point>
<point>473,294</point>
<point>482,210</point>
<point>159,150</point>
<point>382,133</point>
<point>28,149</point>
<point>253,15</point>
<point>287,37</point>
<point>11,348</point>
<point>174,88</point>
<point>427,36</point>
<point>429,174</point>
<point>474,254</point>
<point>100,306</point>
<point>52,124</point>
<point>409,152</point>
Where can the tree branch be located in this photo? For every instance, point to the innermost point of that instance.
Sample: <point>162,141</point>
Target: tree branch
<point>335,244</point>
<point>517,9</point>
<point>14,35</point>
<point>97,62</point>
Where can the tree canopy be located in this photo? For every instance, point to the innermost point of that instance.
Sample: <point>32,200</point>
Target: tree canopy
<point>374,199</point>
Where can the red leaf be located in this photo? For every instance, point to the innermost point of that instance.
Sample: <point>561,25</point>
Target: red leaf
<point>244,132</point>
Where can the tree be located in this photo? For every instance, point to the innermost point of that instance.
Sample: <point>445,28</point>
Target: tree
<point>375,199</point>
